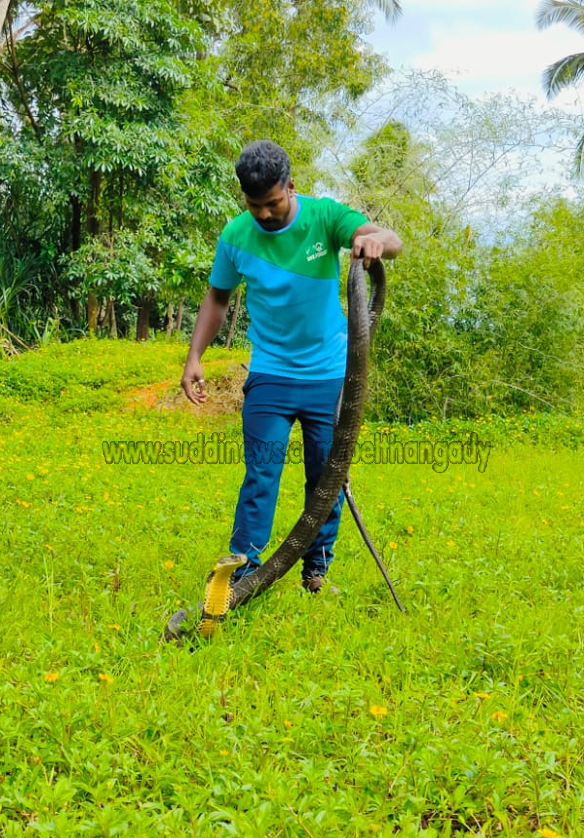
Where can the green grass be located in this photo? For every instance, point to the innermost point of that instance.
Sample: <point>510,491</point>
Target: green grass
<point>305,716</point>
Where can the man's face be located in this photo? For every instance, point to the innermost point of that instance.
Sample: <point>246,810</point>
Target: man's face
<point>274,210</point>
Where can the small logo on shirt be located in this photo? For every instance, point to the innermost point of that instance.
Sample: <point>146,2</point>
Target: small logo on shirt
<point>316,251</point>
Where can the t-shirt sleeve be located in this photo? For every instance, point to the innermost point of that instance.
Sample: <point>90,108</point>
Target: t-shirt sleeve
<point>344,220</point>
<point>224,274</point>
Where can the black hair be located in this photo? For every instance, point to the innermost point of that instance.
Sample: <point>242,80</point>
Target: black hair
<point>260,166</point>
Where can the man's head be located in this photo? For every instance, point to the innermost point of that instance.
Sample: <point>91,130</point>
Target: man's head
<point>263,170</point>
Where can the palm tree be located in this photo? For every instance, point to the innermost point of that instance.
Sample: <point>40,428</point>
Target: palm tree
<point>569,70</point>
<point>391,8</point>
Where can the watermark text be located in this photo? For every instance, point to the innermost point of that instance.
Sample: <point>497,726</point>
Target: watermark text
<point>379,449</point>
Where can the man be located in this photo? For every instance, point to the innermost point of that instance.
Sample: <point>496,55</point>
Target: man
<point>286,248</point>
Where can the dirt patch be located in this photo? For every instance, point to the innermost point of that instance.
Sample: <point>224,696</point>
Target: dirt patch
<point>224,383</point>
<point>149,396</point>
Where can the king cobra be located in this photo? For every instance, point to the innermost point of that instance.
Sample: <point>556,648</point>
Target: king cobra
<point>220,594</point>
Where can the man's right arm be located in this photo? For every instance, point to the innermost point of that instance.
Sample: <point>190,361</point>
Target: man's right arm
<point>210,318</point>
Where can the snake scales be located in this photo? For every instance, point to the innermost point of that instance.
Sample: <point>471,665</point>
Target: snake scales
<point>220,595</point>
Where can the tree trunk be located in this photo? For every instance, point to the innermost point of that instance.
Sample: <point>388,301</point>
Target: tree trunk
<point>144,309</point>
<point>179,316</point>
<point>75,310</point>
<point>234,317</point>
<point>93,230</point>
<point>169,320</point>
<point>75,242</point>
<point>92,312</point>
<point>93,203</point>
<point>110,318</point>
<point>75,245</point>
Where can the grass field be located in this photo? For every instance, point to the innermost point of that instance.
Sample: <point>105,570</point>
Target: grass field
<point>304,716</point>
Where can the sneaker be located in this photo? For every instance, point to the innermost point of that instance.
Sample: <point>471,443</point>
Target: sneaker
<point>312,584</point>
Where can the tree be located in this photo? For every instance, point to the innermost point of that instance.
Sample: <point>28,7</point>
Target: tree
<point>469,323</point>
<point>569,70</point>
<point>122,118</point>
<point>94,92</point>
<point>390,8</point>
<point>523,314</point>
<point>292,70</point>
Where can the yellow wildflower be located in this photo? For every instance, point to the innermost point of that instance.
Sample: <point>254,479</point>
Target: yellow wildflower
<point>51,677</point>
<point>378,710</point>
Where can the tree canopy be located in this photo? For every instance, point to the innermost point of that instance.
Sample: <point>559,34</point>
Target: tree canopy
<point>120,124</point>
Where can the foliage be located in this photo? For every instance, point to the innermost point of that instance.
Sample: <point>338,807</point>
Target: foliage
<point>527,324</point>
<point>123,117</point>
<point>118,271</point>
<point>293,70</point>
<point>333,715</point>
<point>421,362</point>
<point>500,332</point>
<point>475,323</point>
<point>94,91</point>
<point>478,161</point>
<point>119,127</point>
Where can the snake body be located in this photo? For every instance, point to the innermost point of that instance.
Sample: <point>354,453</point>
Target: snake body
<point>221,595</point>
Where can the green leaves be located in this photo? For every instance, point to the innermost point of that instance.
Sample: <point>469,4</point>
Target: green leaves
<point>293,68</point>
<point>118,269</point>
<point>570,12</point>
<point>568,71</point>
<point>104,86</point>
<point>137,110</point>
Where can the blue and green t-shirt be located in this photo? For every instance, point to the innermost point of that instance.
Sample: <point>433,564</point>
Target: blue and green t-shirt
<point>297,326</point>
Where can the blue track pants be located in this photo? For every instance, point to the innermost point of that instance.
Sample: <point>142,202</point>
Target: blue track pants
<point>271,406</point>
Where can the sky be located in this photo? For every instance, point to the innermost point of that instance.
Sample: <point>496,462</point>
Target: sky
<point>484,45</point>
<point>490,47</point>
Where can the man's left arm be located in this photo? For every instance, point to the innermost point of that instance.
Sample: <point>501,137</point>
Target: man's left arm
<point>372,242</point>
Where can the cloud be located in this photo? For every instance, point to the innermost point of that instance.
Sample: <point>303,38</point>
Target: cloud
<point>485,45</point>
<point>446,6</point>
<point>496,54</point>
<point>502,8</point>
